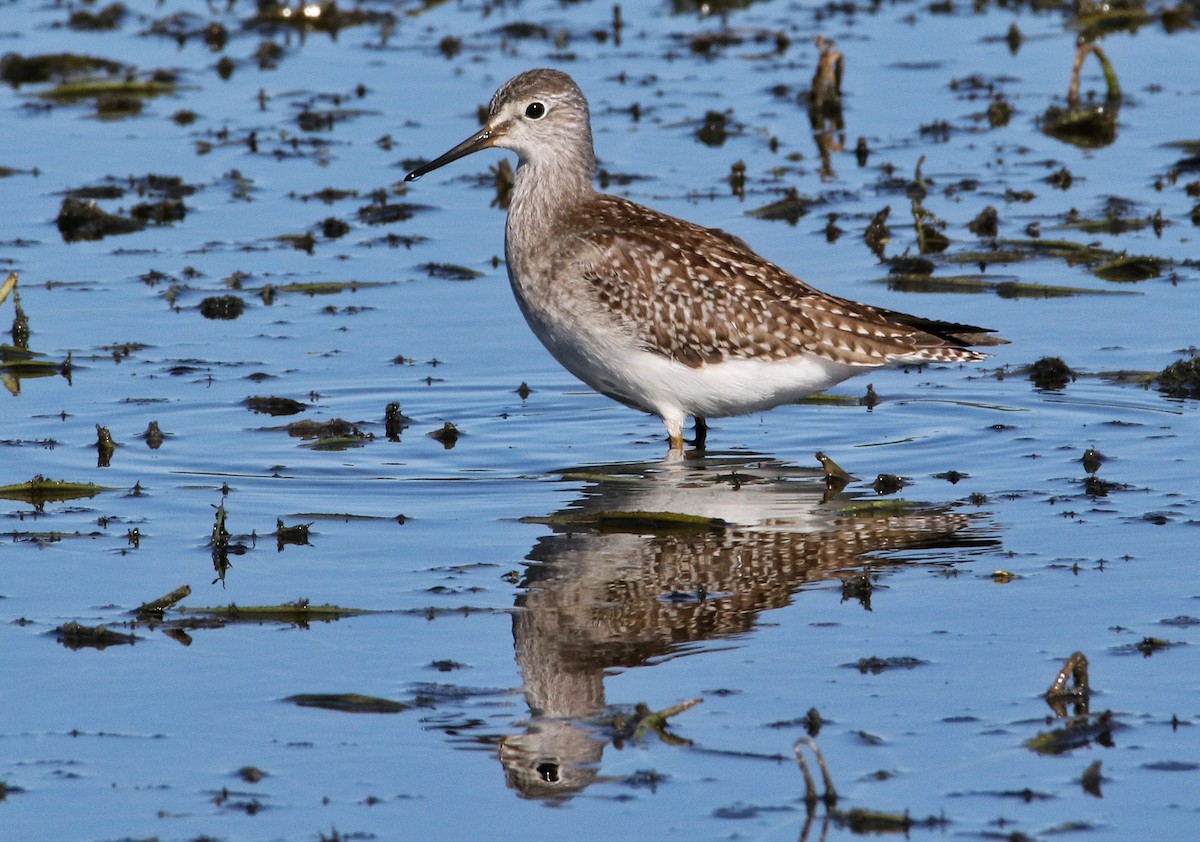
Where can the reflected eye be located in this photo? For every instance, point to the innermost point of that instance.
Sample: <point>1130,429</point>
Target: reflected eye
<point>535,110</point>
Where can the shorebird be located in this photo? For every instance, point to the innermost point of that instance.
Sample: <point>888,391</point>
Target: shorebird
<point>663,315</point>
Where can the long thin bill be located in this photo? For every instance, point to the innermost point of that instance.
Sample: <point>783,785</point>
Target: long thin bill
<point>480,140</point>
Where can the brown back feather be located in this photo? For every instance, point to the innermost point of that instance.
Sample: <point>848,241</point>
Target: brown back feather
<point>700,295</point>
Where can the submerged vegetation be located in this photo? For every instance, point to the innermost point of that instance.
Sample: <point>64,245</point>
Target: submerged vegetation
<point>219,295</point>
<point>1181,379</point>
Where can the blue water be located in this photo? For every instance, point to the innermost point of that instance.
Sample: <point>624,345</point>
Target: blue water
<point>553,626</point>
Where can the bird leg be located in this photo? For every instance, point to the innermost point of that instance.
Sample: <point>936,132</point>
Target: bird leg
<point>674,432</point>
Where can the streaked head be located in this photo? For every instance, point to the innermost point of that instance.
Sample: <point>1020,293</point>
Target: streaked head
<point>539,113</point>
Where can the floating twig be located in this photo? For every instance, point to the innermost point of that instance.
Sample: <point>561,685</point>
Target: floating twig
<point>656,721</point>
<point>158,606</point>
<point>829,797</point>
<point>10,283</point>
<point>1075,670</point>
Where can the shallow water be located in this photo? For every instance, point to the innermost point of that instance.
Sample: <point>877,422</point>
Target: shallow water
<point>512,610</point>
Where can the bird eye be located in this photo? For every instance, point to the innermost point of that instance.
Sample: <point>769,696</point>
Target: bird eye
<point>535,110</point>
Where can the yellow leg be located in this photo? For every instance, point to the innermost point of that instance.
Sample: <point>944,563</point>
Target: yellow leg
<point>674,432</point>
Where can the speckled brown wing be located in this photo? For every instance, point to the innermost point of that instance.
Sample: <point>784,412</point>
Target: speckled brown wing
<point>698,295</point>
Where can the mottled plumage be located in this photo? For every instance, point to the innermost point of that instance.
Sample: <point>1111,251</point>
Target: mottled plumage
<point>659,313</point>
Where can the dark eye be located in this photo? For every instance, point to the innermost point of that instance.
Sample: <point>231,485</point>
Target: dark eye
<point>535,110</point>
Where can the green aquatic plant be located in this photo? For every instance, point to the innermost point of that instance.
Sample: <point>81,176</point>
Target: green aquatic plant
<point>17,70</point>
<point>40,490</point>
<point>94,89</point>
<point>347,702</point>
<point>1090,125</point>
<point>1181,379</point>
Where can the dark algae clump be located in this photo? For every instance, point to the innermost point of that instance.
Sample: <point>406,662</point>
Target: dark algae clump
<point>1181,379</point>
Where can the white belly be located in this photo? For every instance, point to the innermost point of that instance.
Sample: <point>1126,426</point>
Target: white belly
<point>616,366</point>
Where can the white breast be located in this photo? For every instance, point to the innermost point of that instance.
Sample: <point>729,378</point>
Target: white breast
<point>615,365</point>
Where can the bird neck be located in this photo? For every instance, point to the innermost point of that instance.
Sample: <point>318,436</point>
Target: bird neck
<point>549,187</point>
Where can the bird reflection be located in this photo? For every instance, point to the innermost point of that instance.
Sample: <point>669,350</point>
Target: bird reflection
<point>621,583</point>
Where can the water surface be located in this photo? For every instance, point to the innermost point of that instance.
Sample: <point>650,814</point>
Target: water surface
<point>505,596</point>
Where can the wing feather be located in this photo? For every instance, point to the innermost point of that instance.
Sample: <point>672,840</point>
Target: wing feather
<point>699,295</point>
